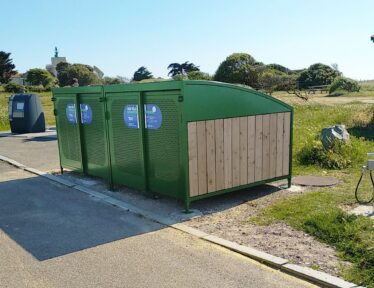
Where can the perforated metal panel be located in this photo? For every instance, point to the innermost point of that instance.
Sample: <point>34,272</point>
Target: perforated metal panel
<point>68,134</point>
<point>94,136</point>
<point>125,147</point>
<point>163,147</point>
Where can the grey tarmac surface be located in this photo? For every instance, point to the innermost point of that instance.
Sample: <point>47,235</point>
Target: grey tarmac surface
<point>54,236</point>
<point>39,151</point>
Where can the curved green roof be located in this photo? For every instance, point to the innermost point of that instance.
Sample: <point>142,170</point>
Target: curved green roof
<point>201,99</point>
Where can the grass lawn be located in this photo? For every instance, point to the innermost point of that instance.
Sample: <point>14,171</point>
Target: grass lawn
<point>46,102</point>
<point>321,213</point>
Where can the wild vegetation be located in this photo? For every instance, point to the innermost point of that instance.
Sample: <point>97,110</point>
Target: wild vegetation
<point>323,212</point>
<point>237,68</point>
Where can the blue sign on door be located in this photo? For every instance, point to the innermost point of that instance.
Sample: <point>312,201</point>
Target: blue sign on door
<point>153,116</point>
<point>131,116</point>
<point>71,113</point>
<point>86,114</point>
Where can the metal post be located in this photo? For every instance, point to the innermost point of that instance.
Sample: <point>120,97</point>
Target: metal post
<point>142,139</point>
<point>290,156</point>
<point>103,99</point>
<point>79,123</point>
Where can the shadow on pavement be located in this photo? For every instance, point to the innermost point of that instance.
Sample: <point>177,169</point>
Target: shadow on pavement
<point>40,139</point>
<point>49,220</point>
<point>169,207</point>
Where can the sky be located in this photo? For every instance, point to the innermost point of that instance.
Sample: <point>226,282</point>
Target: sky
<point>119,36</point>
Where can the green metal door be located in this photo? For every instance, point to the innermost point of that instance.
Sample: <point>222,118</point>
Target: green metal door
<point>125,126</point>
<point>94,138</point>
<point>68,132</point>
<point>162,120</point>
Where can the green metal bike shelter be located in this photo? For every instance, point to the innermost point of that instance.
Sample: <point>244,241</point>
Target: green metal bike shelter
<point>185,139</point>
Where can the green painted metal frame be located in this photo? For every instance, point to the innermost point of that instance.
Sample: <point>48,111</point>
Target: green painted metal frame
<point>53,99</point>
<point>77,91</point>
<point>55,112</point>
<point>140,103</point>
<point>184,88</point>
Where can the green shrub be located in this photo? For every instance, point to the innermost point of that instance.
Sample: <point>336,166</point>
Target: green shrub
<point>37,88</point>
<point>344,84</point>
<point>198,75</point>
<point>13,88</point>
<point>340,156</point>
<point>180,77</point>
<point>50,86</point>
<point>239,68</point>
<point>37,77</point>
<point>317,74</point>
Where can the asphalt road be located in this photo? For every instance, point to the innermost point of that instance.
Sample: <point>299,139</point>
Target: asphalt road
<point>53,236</point>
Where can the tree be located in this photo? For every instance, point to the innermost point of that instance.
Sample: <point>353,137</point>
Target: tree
<point>66,72</point>
<point>198,75</point>
<point>63,74</point>
<point>84,74</point>
<point>62,66</point>
<point>189,67</point>
<point>38,76</point>
<point>239,68</point>
<point>113,80</point>
<point>269,81</point>
<point>182,69</point>
<point>344,84</point>
<point>317,74</point>
<point>175,69</point>
<point>279,67</point>
<point>141,74</point>
<point>6,67</point>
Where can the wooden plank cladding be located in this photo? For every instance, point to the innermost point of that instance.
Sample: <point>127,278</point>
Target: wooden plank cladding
<point>227,153</point>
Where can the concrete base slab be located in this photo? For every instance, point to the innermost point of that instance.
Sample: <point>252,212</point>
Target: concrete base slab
<point>88,182</point>
<point>296,189</point>
<point>315,181</point>
<point>182,215</point>
<point>49,132</point>
<point>363,210</point>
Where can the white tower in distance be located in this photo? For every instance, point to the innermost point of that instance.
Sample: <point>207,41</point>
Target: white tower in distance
<point>54,61</point>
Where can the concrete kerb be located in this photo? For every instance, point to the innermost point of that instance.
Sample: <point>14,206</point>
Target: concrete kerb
<point>90,192</point>
<point>305,273</point>
<point>316,276</point>
<point>12,162</point>
<point>274,261</point>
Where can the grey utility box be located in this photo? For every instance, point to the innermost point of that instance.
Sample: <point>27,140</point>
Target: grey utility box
<point>26,114</point>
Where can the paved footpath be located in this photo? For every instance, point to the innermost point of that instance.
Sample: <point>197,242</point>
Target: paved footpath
<point>54,236</point>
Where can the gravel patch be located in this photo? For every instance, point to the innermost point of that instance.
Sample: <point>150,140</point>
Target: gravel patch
<point>278,239</point>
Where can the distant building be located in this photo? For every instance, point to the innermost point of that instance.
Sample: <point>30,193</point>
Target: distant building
<point>19,79</point>
<point>54,61</point>
<point>98,72</point>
